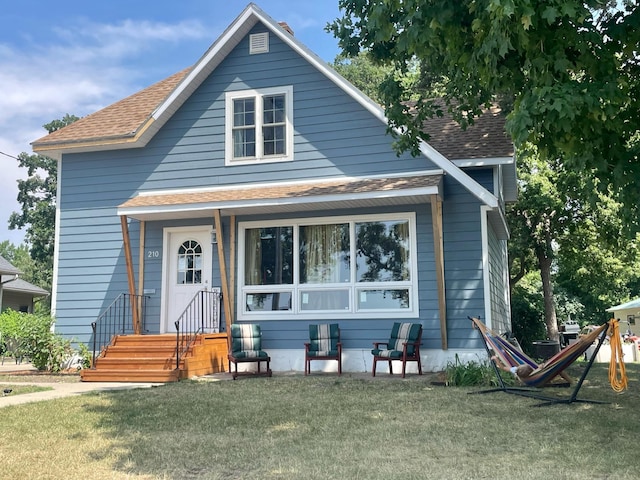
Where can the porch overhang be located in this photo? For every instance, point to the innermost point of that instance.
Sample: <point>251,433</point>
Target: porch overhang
<point>270,198</point>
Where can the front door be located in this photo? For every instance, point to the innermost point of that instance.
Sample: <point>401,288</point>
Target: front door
<point>187,270</point>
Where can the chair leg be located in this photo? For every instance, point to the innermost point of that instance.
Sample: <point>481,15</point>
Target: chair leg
<point>404,368</point>
<point>339,365</point>
<point>373,372</point>
<point>390,368</point>
<point>419,365</point>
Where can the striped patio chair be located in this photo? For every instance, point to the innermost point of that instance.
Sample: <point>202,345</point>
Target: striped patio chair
<point>246,347</point>
<point>403,345</point>
<point>324,344</point>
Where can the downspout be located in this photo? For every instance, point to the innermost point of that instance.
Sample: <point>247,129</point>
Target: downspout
<point>130,277</point>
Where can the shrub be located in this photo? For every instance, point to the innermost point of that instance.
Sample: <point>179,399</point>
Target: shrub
<point>33,334</point>
<point>469,374</point>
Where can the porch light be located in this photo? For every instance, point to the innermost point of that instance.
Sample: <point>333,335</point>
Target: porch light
<point>214,237</point>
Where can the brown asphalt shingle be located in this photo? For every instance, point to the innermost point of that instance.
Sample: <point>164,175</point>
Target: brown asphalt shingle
<point>328,187</point>
<point>119,120</point>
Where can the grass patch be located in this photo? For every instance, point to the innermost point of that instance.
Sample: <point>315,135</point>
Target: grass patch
<point>324,427</point>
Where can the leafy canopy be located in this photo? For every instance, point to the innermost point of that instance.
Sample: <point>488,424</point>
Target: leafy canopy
<point>567,72</point>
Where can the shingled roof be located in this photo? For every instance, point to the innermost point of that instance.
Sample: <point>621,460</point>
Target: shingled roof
<point>119,121</point>
<point>486,138</point>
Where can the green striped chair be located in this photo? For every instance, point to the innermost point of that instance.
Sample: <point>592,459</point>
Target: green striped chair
<point>246,347</point>
<point>324,344</point>
<point>403,345</point>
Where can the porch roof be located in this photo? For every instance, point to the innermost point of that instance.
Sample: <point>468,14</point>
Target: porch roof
<point>323,194</point>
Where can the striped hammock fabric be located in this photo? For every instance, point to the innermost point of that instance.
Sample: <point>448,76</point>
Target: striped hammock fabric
<point>542,373</point>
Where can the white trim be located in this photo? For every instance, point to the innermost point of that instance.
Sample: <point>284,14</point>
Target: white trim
<point>56,251</point>
<point>486,280</point>
<point>258,96</point>
<point>482,162</point>
<point>295,288</point>
<point>166,233</point>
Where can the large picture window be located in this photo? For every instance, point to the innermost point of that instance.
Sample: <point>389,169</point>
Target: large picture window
<point>259,125</point>
<point>364,266</point>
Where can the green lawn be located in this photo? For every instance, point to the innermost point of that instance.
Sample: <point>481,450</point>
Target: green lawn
<point>324,427</point>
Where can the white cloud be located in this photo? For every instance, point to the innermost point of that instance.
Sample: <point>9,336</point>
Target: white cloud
<point>82,68</point>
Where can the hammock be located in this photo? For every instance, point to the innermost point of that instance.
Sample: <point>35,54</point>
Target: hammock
<point>544,373</point>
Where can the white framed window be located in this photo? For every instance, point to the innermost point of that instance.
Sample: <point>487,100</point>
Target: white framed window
<point>364,266</point>
<point>259,125</point>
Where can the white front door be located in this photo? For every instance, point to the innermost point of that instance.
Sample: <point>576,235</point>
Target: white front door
<point>187,270</point>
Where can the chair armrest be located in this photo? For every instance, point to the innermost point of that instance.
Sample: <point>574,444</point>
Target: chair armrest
<point>307,345</point>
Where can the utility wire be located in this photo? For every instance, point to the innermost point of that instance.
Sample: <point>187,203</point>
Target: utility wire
<point>10,156</point>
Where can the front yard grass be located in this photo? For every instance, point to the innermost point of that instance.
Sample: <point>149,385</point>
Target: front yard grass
<point>324,427</point>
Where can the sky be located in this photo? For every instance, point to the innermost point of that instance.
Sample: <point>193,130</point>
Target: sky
<point>78,56</point>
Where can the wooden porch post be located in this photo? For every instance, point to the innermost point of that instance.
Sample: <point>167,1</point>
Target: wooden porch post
<point>130,277</point>
<point>226,301</point>
<point>438,247</point>
<point>232,262</point>
<point>141,269</point>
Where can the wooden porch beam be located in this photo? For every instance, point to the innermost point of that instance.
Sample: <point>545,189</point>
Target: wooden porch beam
<point>226,301</point>
<point>232,263</point>
<point>141,257</point>
<point>130,278</point>
<point>438,248</point>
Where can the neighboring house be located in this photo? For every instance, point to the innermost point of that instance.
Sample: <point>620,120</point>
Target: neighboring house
<point>628,313</point>
<point>263,156</point>
<point>15,293</point>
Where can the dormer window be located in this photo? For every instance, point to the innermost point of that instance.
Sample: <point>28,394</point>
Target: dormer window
<point>259,125</point>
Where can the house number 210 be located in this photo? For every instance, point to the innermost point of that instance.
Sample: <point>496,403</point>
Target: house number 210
<point>153,253</point>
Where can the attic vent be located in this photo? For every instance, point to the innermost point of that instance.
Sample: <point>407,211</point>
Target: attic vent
<point>259,43</point>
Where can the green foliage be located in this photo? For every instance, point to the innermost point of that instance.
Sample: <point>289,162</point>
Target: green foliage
<point>566,72</point>
<point>458,374</point>
<point>35,339</point>
<point>86,355</point>
<point>527,312</point>
<point>37,197</point>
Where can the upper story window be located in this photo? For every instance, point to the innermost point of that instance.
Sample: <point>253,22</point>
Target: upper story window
<point>259,125</point>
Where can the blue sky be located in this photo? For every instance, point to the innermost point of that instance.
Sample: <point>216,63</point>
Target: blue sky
<point>77,56</point>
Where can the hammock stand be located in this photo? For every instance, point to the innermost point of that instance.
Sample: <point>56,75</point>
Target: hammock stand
<point>516,357</point>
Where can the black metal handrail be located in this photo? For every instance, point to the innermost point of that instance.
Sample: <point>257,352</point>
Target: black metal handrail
<point>117,319</point>
<point>202,315</point>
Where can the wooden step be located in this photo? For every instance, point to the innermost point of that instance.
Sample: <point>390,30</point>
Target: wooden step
<point>118,375</point>
<point>137,363</point>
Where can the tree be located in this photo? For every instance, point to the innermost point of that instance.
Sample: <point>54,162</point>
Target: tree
<point>19,257</point>
<point>37,196</point>
<point>566,71</point>
<point>578,248</point>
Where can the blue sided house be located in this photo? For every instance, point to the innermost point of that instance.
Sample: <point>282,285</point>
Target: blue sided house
<point>264,179</point>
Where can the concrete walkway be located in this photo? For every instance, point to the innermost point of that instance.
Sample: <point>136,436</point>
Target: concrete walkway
<point>58,389</point>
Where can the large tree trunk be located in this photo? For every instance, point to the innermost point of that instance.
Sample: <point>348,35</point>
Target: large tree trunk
<point>550,318</point>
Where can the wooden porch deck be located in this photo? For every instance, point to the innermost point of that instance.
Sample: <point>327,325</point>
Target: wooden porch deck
<point>152,358</point>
